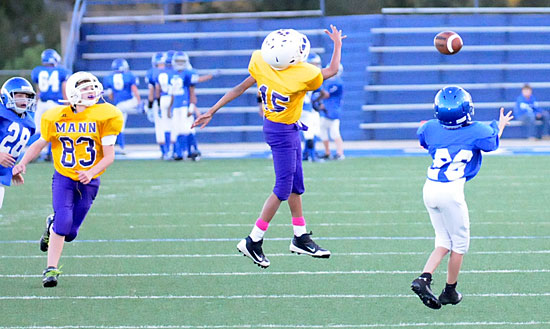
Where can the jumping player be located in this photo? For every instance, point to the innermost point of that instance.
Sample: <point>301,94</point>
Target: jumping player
<point>83,136</point>
<point>283,78</point>
<point>455,143</point>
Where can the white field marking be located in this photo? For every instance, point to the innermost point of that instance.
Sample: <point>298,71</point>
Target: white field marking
<point>229,274</point>
<point>423,223</point>
<point>343,254</point>
<point>303,326</point>
<point>284,296</point>
<point>340,238</point>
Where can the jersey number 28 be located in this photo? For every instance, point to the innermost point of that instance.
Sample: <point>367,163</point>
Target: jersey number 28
<point>456,167</point>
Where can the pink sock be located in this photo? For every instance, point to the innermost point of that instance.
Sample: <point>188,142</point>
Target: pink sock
<point>262,224</point>
<point>298,221</point>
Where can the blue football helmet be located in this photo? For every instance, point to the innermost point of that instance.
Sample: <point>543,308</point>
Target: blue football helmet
<point>453,106</point>
<point>157,58</point>
<point>120,65</point>
<point>314,59</point>
<point>168,57</point>
<point>50,56</point>
<point>11,98</point>
<point>180,61</point>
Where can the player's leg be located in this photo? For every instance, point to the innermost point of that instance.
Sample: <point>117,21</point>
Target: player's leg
<point>82,204</point>
<point>458,225</point>
<point>422,285</point>
<point>166,124</point>
<point>2,191</point>
<point>301,242</point>
<point>63,193</point>
<point>177,132</point>
<point>335,134</point>
<point>324,135</point>
<point>159,128</point>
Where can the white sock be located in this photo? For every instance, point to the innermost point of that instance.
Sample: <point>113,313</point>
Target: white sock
<point>257,234</point>
<point>299,230</point>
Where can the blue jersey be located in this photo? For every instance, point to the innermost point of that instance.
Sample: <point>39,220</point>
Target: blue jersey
<point>120,84</point>
<point>333,104</point>
<point>524,106</point>
<point>151,77</point>
<point>308,105</point>
<point>50,80</point>
<point>179,87</point>
<point>163,80</point>
<point>15,133</point>
<point>456,153</point>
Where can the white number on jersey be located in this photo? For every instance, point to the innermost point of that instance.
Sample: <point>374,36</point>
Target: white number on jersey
<point>456,167</point>
<point>22,134</point>
<point>163,82</point>
<point>176,85</point>
<point>118,81</point>
<point>47,81</point>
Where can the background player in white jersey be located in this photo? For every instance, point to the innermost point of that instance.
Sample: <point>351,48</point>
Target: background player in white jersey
<point>121,86</point>
<point>50,79</point>
<point>17,100</point>
<point>310,116</point>
<point>330,115</point>
<point>163,123</point>
<point>455,143</point>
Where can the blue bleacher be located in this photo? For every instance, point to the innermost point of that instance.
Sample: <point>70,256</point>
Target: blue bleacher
<point>359,62</point>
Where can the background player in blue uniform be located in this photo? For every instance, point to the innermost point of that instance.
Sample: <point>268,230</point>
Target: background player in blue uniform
<point>330,115</point>
<point>182,90</point>
<point>163,121</point>
<point>310,116</point>
<point>50,79</point>
<point>16,127</point>
<point>455,144</point>
<point>151,77</point>
<point>123,92</point>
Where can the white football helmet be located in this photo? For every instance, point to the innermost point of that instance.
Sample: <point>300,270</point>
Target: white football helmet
<point>83,88</point>
<point>285,47</point>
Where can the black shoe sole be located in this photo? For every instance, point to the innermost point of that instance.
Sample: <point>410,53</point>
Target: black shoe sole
<point>49,284</point>
<point>429,300</point>
<point>314,256</point>
<point>447,302</point>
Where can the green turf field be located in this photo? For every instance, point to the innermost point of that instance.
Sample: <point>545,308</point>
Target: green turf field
<point>157,250</point>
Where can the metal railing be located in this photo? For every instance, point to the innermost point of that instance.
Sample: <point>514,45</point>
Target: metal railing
<point>468,10</point>
<point>74,35</point>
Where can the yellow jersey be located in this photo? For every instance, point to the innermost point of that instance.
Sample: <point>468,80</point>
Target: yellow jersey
<point>76,137</point>
<point>283,91</point>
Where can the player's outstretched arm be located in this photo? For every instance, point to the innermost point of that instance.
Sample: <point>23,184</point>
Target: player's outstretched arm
<point>336,36</point>
<point>235,92</point>
<point>32,152</point>
<point>504,120</point>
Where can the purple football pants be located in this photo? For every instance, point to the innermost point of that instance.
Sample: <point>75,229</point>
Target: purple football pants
<point>286,147</point>
<point>71,202</point>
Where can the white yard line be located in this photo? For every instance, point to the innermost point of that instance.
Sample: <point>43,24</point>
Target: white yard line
<point>264,273</point>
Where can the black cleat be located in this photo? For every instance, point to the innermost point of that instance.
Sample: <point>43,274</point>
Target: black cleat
<point>450,296</point>
<point>253,250</point>
<point>49,277</point>
<point>195,156</point>
<point>421,287</point>
<point>45,239</point>
<point>304,245</point>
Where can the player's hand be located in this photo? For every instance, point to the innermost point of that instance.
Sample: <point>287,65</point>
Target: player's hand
<point>18,179</point>
<point>84,176</point>
<point>202,120</point>
<point>504,120</point>
<point>6,160</point>
<point>335,35</point>
<point>19,169</point>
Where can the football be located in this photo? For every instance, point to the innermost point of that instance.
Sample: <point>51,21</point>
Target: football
<point>448,42</point>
